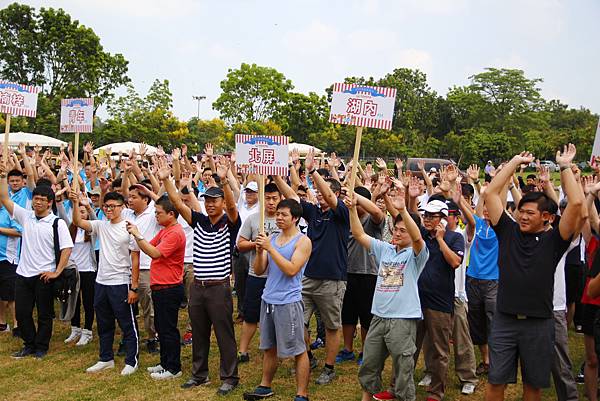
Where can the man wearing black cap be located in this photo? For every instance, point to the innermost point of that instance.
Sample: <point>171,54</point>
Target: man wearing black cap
<point>210,303</point>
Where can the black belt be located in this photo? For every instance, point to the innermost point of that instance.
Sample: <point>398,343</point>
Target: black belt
<point>209,283</point>
<point>158,287</point>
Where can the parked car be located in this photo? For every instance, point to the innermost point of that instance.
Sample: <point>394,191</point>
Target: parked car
<point>412,164</point>
<point>550,165</point>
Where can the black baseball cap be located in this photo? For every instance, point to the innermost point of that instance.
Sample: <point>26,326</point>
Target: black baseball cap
<point>214,192</point>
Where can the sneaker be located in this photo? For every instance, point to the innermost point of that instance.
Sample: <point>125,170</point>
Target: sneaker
<point>40,354</point>
<point>128,369</point>
<point>75,334</point>
<point>580,378</point>
<point>16,332</point>
<point>345,355</point>
<point>4,328</point>
<point>482,369</point>
<point>425,381</point>
<point>155,369</point>
<point>384,396</point>
<point>468,388</point>
<point>152,346</point>
<point>100,366</point>
<point>317,344</point>
<point>243,357</point>
<point>85,339</point>
<point>165,375</point>
<point>300,398</point>
<point>23,353</point>
<point>259,393</point>
<point>187,338</point>
<point>193,382</point>
<point>326,376</point>
<point>359,360</point>
<point>226,388</point>
<point>122,351</point>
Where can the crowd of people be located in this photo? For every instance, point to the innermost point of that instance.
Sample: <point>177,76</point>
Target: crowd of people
<point>400,262</point>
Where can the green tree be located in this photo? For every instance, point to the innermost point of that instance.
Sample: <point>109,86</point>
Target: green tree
<point>213,131</point>
<point>253,93</point>
<point>303,115</point>
<point>64,58</point>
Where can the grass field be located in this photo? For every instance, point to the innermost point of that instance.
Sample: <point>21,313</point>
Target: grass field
<point>61,376</point>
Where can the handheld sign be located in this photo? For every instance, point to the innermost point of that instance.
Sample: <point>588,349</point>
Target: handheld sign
<point>596,147</point>
<point>363,106</point>
<point>262,155</point>
<point>16,100</point>
<point>76,115</point>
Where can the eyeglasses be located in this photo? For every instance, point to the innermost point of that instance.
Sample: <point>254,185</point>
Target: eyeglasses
<point>428,216</point>
<point>111,207</point>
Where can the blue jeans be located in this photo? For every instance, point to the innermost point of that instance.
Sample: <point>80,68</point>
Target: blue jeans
<point>166,312</point>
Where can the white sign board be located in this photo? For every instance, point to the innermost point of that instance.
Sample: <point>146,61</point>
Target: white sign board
<point>259,154</point>
<point>596,147</point>
<point>17,99</point>
<point>364,106</point>
<point>76,115</point>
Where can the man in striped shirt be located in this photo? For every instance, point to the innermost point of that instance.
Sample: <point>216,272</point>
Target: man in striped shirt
<point>210,302</point>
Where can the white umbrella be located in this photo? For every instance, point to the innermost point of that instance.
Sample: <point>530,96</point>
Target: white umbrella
<point>15,138</point>
<point>125,147</point>
<point>303,148</point>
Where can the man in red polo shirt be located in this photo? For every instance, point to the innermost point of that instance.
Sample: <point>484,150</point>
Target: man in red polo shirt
<point>167,251</point>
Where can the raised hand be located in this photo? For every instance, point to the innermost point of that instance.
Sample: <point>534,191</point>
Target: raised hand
<point>399,164</point>
<point>160,152</point>
<point>21,149</point>
<point>208,149</point>
<point>414,187</point>
<point>143,149</point>
<point>88,147</point>
<point>421,165</point>
<point>524,158</point>
<point>184,149</point>
<point>399,201</point>
<point>176,154</point>
<point>381,164</point>
<point>309,162</point>
<point>565,158</point>
<point>544,174</point>
<point>451,173</point>
<point>473,172</point>
<point>295,156</point>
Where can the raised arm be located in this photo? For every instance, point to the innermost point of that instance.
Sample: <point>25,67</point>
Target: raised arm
<point>356,227</point>
<point>4,196</point>
<point>376,214</point>
<point>77,220</point>
<point>493,199</point>
<point>230,201</point>
<point>286,190</point>
<point>574,213</point>
<point>163,174</point>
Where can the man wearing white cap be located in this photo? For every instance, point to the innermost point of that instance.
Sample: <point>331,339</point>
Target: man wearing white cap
<point>436,292</point>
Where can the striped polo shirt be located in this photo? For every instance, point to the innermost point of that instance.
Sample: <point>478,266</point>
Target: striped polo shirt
<point>213,244</point>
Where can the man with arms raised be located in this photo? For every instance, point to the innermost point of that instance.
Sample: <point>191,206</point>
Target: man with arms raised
<point>523,326</point>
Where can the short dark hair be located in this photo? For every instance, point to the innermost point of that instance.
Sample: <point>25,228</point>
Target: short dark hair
<point>143,195</point>
<point>15,173</point>
<point>467,190</point>
<point>114,196</point>
<point>364,192</point>
<point>540,198</point>
<point>167,205</point>
<point>323,172</point>
<point>293,205</point>
<point>532,176</point>
<point>116,183</point>
<point>271,188</point>
<point>416,218</point>
<point>45,191</point>
<point>43,182</point>
<point>206,169</point>
<point>334,184</point>
<point>301,188</point>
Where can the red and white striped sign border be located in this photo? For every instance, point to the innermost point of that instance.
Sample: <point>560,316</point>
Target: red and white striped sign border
<point>81,128</point>
<point>16,110</point>
<point>259,168</point>
<point>362,121</point>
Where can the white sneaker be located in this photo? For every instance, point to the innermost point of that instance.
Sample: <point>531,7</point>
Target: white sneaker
<point>75,334</point>
<point>128,369</point>
<point>155,369</point>
<point>99,366</point>
<point>425,381</point>
<point>86,337</point>
<point>165,375</point>
<point>468,388</point>
<point>6,330</point>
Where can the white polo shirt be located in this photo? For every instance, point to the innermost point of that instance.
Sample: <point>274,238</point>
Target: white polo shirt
<point>148,227</point>
<point>37,249</point>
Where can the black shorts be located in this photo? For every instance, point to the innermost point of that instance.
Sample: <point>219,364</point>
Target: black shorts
<point>589,315</point>
<point>8,278</point>
<point>254,290</point>
<point>573,280</point>
<point>528,341</point>
<point>358,299</point>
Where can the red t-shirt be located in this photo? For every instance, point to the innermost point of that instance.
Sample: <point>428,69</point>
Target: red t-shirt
<point>592,248</point>
<point>168,269</point>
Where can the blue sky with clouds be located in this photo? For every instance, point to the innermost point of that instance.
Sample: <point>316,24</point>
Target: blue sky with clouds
<point>193,43</point>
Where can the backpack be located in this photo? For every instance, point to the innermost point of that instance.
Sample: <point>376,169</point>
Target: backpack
<point>65,284</point>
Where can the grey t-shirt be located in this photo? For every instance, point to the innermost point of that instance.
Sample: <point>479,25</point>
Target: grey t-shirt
<point>250,231</point>
<point>359,260</point>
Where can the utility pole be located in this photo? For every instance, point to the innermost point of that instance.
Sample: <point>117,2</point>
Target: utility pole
<point>198,99</point>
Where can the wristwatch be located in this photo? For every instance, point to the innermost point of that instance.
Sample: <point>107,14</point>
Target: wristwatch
<point>134,290</point>
<point>312,171</point>
<point>139,237</point>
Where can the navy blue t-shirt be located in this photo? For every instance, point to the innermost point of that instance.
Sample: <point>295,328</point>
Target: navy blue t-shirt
<point>329,232</point>
<point>436,282</point>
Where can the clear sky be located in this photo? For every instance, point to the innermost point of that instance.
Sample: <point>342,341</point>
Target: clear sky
<point>193,43</point>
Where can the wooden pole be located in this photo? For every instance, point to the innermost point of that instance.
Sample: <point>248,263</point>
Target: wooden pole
<point>359,131</point>
<point>75,163</point>
<point>261,202</point>
<point>6,132</point>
